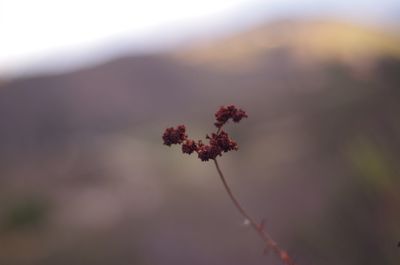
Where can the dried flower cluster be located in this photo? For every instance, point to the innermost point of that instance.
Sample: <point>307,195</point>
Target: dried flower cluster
<point>174,136</point>
<point>219,142</point>
<point>228,112</point>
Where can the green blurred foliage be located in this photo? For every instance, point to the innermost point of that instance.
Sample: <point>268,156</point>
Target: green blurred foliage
<point>24,213</point>
<point>372,163</point>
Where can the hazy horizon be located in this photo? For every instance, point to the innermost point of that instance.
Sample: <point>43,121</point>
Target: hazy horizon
<point>67,45</point>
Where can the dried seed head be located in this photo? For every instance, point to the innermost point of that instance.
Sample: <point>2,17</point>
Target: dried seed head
<point>174,136</point>
<point>189,146</point>
<point>207,152</point>
<point>222,141</point>
<point>228,112</point>
<point>238,115</point>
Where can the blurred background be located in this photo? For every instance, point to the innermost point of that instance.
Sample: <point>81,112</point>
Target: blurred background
<point>88,87</point>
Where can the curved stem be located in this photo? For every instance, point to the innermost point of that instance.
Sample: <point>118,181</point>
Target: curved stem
<point>258,227</point>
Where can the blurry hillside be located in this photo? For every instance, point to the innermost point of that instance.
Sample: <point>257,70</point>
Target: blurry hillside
<point>86,180</point>
<point>315,40</point>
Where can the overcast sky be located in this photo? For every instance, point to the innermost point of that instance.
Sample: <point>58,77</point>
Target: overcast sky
<point>57,34</point>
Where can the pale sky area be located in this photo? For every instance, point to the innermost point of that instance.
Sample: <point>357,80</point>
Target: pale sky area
<point>56,35</point>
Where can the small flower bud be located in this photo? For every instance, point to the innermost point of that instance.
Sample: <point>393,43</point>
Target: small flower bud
<point>174,136</point>
<point>228,112</point>
<point>238,115</point>
<point>222,141</point>
<point>189,146</point>
<point>207,152</point>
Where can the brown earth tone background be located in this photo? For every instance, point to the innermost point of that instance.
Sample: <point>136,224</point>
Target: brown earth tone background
<point>85,179</point>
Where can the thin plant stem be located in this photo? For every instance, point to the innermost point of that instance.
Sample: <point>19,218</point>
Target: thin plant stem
<point>258,227</point>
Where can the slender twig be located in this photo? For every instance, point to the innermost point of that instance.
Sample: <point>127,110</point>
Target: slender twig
<point>258,227</point>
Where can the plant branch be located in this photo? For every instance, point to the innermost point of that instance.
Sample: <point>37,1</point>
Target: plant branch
<point>258,227</point>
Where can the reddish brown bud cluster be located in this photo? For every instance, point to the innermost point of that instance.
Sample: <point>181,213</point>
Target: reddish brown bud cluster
<point>223,141</point>
<point>174,136</point>
<point>218,142</point>
<point>228,112</point>
<point>189,146</point>
<point>207,152</point>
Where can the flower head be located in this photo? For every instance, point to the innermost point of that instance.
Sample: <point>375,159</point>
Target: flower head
<point>228,112</point>
<point>222,141</point>
<point>238,115</point>
<point>207,152</point>
<point>189,146</point>
<point>174,136</point>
